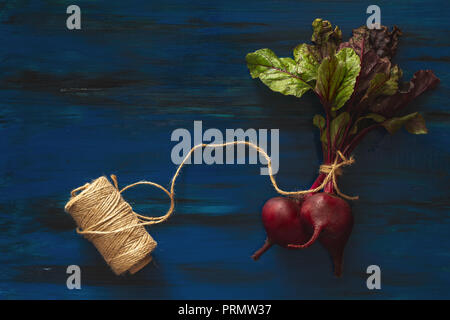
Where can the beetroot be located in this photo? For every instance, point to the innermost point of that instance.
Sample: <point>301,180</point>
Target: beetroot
<point>360,90</point>
<point>281,219</point>
<point>329,219</point>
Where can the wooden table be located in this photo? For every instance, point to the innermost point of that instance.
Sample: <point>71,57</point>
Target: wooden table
<point>105,99</point>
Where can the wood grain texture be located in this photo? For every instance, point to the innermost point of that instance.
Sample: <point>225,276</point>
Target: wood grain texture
<point>78,104</point>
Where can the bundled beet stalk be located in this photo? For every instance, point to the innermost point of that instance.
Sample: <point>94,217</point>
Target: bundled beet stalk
<point>360,90</point>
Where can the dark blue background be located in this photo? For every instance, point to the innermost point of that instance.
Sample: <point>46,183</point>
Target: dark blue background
<point>153,66</point>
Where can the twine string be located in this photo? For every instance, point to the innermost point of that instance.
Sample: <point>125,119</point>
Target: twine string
<point>101,213</point>
<point>331,170</point>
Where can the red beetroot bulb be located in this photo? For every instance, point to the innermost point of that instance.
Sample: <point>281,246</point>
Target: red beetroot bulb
<point>281,219</point>
<point>329,219</point>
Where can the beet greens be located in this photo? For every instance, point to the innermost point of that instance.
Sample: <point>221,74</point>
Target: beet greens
<point>360,90</point>
<point>355,81</point>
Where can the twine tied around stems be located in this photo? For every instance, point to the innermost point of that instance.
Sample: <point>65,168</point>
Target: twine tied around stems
<point>333,170</point>
<point>118,233</point>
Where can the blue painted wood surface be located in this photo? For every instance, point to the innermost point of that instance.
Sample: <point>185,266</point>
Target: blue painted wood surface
<point>150,67</point>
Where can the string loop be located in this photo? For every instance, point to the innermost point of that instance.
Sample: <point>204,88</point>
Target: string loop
<point>331,171</point>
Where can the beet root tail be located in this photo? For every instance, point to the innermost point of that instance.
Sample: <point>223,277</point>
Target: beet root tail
<point>261,250</point>
<point>313,239</point>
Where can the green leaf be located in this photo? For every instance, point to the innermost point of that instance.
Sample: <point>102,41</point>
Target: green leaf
<point>337,76</point>
<point>416,125</point>
<point>279,74</point>
<point>421,82</point>
<point>384,84</point>
<point>382,41</point>
<point>413,122</point>
<point>325,38</point>
<point>373,116</point>
<point>337,126</point>
<point>319,122</point>
<point>307,58</point>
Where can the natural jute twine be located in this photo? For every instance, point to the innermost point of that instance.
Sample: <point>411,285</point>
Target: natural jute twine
<point>118,233</point>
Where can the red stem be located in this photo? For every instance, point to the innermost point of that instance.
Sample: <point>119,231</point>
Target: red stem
<point>328,137</point>
<point>345,136</point>
<point>329,187</point>
<point>318,181</point>
<point>335,149</point>
<point>358,138</point>
<point>327,112</point>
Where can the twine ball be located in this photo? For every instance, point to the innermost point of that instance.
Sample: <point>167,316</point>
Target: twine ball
<point>109,222</point>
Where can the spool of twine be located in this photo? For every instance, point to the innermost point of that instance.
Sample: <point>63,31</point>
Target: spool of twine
<point>119,234</point>
<point>101,214</point>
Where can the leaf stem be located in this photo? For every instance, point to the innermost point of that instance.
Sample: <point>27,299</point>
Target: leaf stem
<point>328,136</point>
<point>335,142</point>
<point>358,138</point>
<point>327,113</point>
<point>345,136</point>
